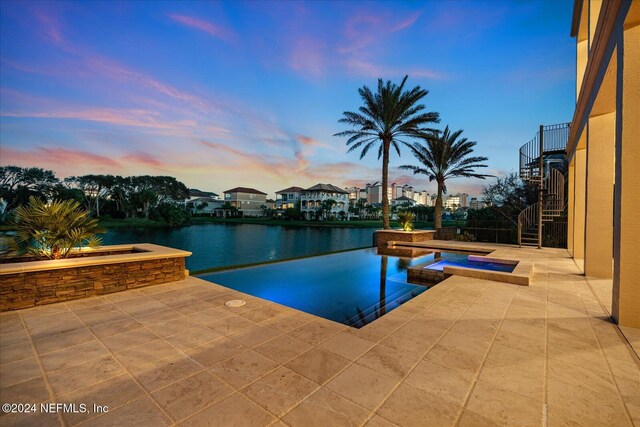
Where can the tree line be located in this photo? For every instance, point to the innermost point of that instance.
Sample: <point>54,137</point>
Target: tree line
<point>118,197</point>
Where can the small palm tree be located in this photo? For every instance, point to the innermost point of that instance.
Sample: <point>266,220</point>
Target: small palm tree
<point>388,116</point>
<point>405,218</point>
<point>51,230</point>
<point>444,156</point>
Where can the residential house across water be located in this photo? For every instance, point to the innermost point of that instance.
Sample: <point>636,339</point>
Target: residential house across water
<point>248,201</point>
<point>312,201</point>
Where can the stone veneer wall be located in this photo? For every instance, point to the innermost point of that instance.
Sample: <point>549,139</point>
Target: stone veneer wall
<point>22,290</point>
<point>422,276</point>
<point>382,237</point>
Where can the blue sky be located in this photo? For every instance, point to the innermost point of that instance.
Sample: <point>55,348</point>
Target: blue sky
<point>225,94</point>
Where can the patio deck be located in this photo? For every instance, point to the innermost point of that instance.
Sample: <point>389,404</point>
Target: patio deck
<point>467,352</point>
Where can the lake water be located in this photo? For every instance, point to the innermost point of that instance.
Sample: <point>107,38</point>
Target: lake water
<point>221,245</point>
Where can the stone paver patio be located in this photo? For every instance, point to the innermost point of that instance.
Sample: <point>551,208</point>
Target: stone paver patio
<point>467,352</point>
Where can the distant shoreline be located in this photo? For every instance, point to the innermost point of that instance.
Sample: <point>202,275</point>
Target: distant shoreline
<point>108,223</point>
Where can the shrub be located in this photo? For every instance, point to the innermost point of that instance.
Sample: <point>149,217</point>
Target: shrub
<point>51,230</point>
<point>405,218</point>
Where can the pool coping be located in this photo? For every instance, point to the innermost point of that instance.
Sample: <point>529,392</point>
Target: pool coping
<point>522,274</point>
<point>146,251</point>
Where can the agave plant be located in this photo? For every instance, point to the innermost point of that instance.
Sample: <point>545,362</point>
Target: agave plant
<point>405,218</point>
<point>51,230</point>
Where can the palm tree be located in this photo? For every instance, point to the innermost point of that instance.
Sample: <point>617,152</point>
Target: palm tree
<point>445,156</point>
<point>51,230</point>
<point>387,117</point>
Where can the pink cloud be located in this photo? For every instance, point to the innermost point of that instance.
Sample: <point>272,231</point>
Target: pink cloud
<point>307,57</point>
<point>56,157</point>
<point>368,69</point>
<point>216,31</point>
<point>145,159</point>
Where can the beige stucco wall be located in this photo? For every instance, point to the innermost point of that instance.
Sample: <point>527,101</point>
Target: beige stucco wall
<point>599,200</point>
<point>579,200</point>
<point>626,283</point>
<point>571,190</point>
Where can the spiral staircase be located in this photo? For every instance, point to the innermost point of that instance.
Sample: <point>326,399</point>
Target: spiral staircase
<point>536,168</point>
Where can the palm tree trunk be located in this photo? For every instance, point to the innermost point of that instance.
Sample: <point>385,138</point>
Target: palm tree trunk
<point>385,180</point>
<point>384,260</point>
<point>439,206</point>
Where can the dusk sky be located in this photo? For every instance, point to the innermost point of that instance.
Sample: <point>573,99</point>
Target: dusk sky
<point>226,94</point>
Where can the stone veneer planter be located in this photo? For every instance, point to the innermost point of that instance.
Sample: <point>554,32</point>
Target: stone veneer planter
<point>27,284</point>
<point>382,237</point>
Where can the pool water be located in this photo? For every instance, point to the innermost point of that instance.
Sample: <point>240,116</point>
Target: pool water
<point>480,265</point>
<point>353,288</point>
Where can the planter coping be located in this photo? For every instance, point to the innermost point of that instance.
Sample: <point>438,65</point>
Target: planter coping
<point>407,232</point>
<point>150,252</point>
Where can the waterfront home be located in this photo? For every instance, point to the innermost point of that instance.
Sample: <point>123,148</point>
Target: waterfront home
<point>288,198</point>
<point>248,201</point>
<point>603,151</point>
<point>403,201</point>
<point>313,206</point>
<point>204,205</point>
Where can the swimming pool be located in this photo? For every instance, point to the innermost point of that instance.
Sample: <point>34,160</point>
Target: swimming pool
<point>353,288</point>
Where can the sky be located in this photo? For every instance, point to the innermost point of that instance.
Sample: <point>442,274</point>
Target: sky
<point>226,94</point>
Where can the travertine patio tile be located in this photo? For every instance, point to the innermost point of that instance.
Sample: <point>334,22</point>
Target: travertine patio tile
<point>15,372</point>
<point>461,353</point>
<point>583,402</point>
<point>209,316</point>
<point>16,353</point>
<point>43,311</point>
<point>261,313</point>
<point>286,322</point>
<point>558,417</point>
<point>318,365</point>
<point>100,314</point>
<point>173,326</point>
<point>440,381</point>
<point>134,358</point>
<point>254,335</point>
<point>324,408</point>
<point>634,411</point>
<point>57,342</point>
<point>112,393</point>
<point>498,405</point>
<point>190,395</point>
<point>523,335</point>
<point>84,375</point>
<point>630,391</point>
<point>388,362</point>
<point>244,368</point>
<point>30,391</point>
<point>107,329</point>
<point>143,310</point>
<point>11,322</point>
<point>158,316</point>
<point>15,337</point>
<point>378,421</point>
<point>471,419</point>
<point>72,356</point>
<point>128,339</point>
<point>55,324</point>
<point>283,348</point>
<point>29,419</point>
<point>404,342</point>
<point>315,332</point>
<point>280,390</point>
<point>143,411</point>
<point>514,370</point>
<point>408,406</point>
<point>230,325</point>
<point>193,337</point>
<point>235,410</point>
<point>165,372</point>
<point>216,351</point>
<point>347,345</point>
<point>362,385</point>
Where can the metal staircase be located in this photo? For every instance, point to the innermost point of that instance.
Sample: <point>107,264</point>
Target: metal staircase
<point>536,168</point>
